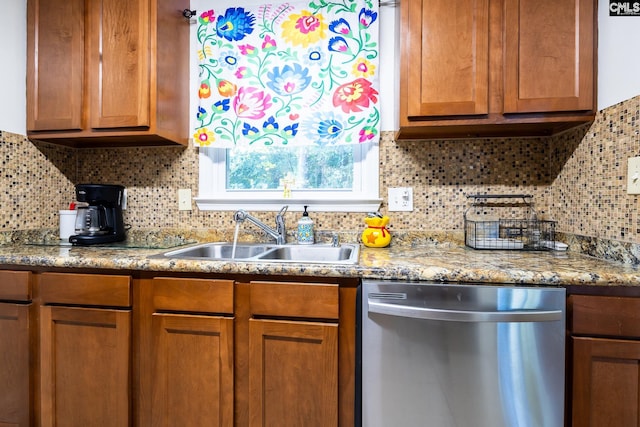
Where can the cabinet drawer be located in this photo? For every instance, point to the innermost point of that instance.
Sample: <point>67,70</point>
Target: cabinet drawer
<point>195,295</point>
<point>86,289</point>
<point>15,285</point>
<point>603,315</point>
<point>307,300</point>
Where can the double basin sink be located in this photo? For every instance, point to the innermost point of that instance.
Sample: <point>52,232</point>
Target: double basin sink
<point>264,252</point>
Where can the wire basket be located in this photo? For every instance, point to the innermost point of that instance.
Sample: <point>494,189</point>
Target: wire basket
<point>484,228</point>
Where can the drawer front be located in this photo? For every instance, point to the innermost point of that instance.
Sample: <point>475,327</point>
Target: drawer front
<point>193,295</point>
<point>85,289</point>
<point>15,285</point>
<point>603,315</point>
<point>302,300</point>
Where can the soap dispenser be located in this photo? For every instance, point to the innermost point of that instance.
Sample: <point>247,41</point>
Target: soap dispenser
<point>305,229</point>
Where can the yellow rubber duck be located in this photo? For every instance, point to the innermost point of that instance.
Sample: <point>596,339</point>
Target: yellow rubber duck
<point>376,234</point>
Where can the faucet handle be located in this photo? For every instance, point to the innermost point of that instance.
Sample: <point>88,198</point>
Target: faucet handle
<point>283,210</point>
<point>240,215</point>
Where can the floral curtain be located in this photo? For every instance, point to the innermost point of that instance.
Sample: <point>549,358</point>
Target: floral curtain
<point>288,74</point>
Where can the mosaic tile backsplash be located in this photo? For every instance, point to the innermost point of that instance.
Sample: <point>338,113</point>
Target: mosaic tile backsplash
<point>577,178</point>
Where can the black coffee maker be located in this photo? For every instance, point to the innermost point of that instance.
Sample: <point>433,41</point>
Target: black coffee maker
<point>99,216</point>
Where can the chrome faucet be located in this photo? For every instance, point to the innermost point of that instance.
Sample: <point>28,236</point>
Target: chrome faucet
<point>279,233</point>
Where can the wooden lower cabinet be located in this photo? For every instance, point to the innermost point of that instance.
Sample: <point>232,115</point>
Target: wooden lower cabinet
<point>193,370</point>
<point>187,352</point>
<point>293,354</point>
<point>221,352</point>
<point>116,350</point>
<point>293,373</point>
<point>15,335</point>
<point>606,382</point>
<point>85,350</point>
<point>109,350</point>
<point>14,365</point>
<point>605,361</point>
<point>85,368</point>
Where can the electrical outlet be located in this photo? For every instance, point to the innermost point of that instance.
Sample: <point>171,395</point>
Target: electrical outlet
<point>400,199</point>
<point>633,175</point>
<point>184,199</point>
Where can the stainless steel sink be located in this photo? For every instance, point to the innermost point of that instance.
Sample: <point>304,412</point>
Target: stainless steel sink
<point>218,251</point>
<point>223,251</point>
<point>311,253</point>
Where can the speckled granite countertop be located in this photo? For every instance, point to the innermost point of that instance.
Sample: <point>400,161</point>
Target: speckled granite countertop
<point>441,262</point>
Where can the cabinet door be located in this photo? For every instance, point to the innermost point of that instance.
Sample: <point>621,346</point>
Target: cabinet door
<point>85,367</point>
<point>549,55</point>
<point>606,382</point>
<point>55,64</point>
<point>14,365</point>
<point>445,57</point>
<point>193,370</point>
<point>293,377</point>
<point>118,63</point>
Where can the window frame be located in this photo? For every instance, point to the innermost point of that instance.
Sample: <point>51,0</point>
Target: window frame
<point>364,197</point>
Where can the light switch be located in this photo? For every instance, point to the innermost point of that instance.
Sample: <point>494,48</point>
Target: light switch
<point>633,175</point>
<point>184,199</point>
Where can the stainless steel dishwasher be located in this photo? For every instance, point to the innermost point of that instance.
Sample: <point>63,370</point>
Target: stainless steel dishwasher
<point>436,355</point>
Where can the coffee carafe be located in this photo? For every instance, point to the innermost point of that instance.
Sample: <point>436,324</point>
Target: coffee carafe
<point>99,214</point>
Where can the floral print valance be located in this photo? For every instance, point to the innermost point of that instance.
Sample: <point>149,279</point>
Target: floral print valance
<point>298,73</point>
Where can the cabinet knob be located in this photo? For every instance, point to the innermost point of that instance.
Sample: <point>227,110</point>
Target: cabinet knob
<point>188,13</point>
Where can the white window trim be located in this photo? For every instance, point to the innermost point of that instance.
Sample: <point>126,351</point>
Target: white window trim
<point>364,197</point>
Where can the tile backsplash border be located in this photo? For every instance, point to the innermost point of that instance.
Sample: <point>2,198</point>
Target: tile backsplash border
<point>578,178</point>
<point>37,181</point>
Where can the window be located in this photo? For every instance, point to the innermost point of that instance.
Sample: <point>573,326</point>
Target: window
<point>343,178</point>
<point>293,88</point>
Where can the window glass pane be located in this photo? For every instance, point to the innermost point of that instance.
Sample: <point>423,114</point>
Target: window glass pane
<point>304,168</point>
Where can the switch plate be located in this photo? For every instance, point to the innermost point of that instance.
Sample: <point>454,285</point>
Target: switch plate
<point>184,199</point>
<point>633,175</point>
<point>400,199</point>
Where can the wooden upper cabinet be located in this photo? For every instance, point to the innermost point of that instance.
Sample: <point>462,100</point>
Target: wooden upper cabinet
<point>55,65</point>
<point>482,68</point>
<point>447,57</point>
<point>118,63</point>
<point>108,72</point>
<point>549,55</point>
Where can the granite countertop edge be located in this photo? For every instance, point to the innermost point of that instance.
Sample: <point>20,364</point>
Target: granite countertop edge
<point>446,263</point>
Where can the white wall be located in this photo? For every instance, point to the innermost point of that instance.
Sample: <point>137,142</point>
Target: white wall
<point>618,62</point>
<point>13,45</point>
<point>618,57</point>
<point>389,66</point>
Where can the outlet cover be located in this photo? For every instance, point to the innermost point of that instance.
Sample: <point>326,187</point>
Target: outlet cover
<point>400,199</point>
<point>184,199</point>
<point>633,175</point>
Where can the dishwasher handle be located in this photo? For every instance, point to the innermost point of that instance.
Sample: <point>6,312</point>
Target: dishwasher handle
<point>429,313</point>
